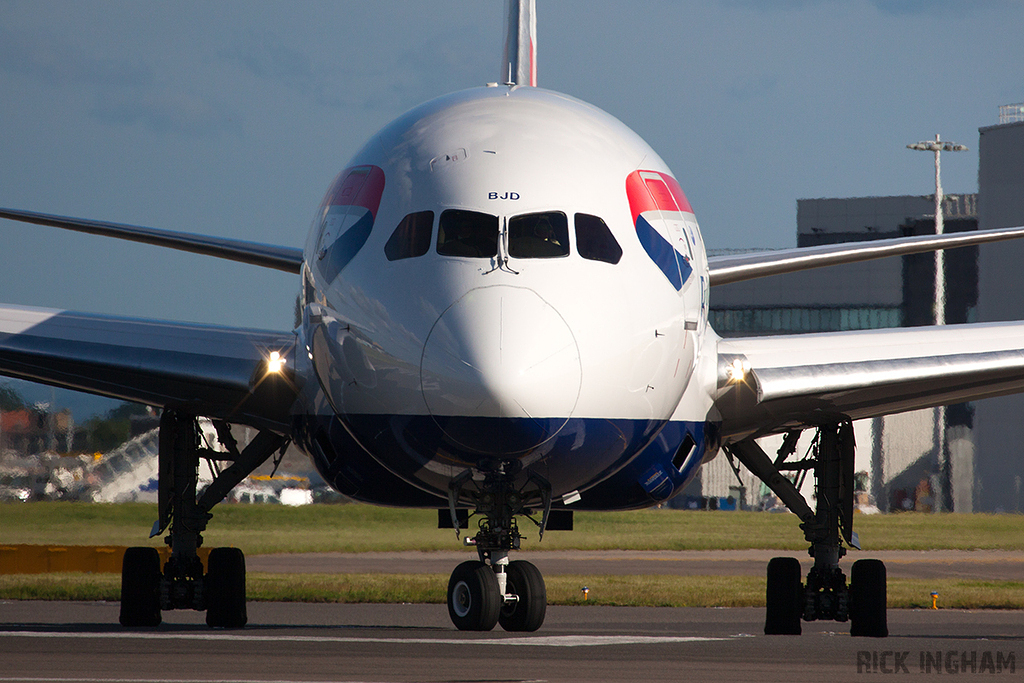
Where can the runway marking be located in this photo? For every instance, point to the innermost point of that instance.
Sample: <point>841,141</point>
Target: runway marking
<point>534,641</point>
<point>26,679</point>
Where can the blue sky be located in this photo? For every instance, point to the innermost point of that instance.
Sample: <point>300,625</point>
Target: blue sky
<point>231,118</point>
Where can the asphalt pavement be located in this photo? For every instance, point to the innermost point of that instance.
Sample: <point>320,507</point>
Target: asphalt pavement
<point>81,642</point>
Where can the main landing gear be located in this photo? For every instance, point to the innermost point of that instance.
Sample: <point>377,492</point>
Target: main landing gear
<point>147,588</point>
<point>825,595</point>
<point>492,590</point>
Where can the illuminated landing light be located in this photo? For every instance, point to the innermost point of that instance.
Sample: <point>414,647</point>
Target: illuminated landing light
<point>275,364</point>
<point>737,371</point>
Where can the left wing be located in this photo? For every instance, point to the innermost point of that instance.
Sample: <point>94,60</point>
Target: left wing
<point>774,384</point>
<point>287,259</point>
<point>216,371</point>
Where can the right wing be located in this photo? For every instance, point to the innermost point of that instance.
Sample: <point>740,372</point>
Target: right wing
<point>726,269</point>
<point>219,372</point>
<point>287,259</point>
<point>778,383</point>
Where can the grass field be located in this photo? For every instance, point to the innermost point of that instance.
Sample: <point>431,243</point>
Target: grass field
<point>652,591</point>
<point>361,528</point>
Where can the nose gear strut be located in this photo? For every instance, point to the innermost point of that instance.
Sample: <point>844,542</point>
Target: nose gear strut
<point>493,590</point>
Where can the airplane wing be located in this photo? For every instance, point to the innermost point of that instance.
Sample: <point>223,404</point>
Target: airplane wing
<point>216,371</point>
<point>777,383</point>
<point>287,259</point>
<point>726,269</point>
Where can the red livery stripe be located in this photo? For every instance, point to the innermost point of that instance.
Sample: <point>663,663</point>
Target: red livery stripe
<point>651,191</point>
<point>357,186</point>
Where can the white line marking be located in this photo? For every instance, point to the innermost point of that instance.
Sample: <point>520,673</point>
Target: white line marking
<point>536,641</point>
<point>29,679</point>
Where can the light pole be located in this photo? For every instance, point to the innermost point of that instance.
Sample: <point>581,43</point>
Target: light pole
<point>937,146</point>
<point>943,498</point>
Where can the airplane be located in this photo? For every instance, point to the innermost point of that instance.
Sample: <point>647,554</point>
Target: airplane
<point>504,316</point>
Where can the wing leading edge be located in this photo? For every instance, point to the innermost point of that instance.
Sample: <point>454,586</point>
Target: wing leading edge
<point>774,384</point>
<point>216,371</point>
<point>287,259</point>
<point>727,269</point>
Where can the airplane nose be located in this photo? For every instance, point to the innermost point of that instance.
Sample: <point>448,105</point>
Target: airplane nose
<point>500,371</point>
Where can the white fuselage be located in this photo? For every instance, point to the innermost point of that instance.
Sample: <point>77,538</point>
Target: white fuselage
<point>507,275</point>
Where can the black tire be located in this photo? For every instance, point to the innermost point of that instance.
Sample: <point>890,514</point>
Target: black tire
<point>473,599</point>
<point>526,614</point>
<point>867,599</point>
<point>224,588</point>
<point>784,597</point>
<point>140,588</point>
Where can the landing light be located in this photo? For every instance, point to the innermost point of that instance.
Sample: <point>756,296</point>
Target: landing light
<point>275,363</point>
<point>737,371</point>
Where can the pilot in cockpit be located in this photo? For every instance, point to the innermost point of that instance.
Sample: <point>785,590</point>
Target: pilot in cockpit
<point>537,241</point>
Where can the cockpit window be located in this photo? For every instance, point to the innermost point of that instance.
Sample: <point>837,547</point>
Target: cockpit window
<point>538,235</point>
<point>594,240</point>
<point>467,233</point>
<point>411,238</point>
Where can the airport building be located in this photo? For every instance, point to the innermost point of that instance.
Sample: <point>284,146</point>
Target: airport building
<point>999,427</point>
<point>965,458</point>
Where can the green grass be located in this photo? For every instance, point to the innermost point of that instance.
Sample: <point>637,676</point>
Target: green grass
<point>361,528</point>
<point>650,591</point>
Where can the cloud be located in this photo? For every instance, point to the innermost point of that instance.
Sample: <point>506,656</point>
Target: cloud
<point>165,111</point>
<point>268,58</point>
<point>124,90</point>
<point>45,58</point>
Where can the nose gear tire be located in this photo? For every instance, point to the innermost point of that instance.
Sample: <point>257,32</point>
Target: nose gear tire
<point>527,613</point>
<point>473,598</point>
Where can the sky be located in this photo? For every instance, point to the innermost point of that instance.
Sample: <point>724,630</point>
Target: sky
<point>231,118</point>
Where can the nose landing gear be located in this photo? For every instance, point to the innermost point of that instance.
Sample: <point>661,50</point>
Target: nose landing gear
<point>490,591</point>
<point>477,601</point>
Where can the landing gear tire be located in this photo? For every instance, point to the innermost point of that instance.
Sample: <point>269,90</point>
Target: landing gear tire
<point>524,580</point>
<point>867,599</point>
<point>784,597</point>
<point>140,588</point>
<point>474,602</point>
<point>224,588</point>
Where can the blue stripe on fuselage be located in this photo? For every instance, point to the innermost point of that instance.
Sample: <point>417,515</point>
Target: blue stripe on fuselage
<point>615,463</point>
<point>674,265</point>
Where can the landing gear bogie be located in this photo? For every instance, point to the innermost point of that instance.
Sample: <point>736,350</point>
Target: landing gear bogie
<point>828,529</point>
<point>183,511</point>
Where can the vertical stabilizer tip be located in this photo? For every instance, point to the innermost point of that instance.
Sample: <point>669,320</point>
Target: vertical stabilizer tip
<point>519,62</point>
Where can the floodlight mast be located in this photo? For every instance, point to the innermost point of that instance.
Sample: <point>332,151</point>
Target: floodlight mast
<point>944,497</point>
<point>938,146</point>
